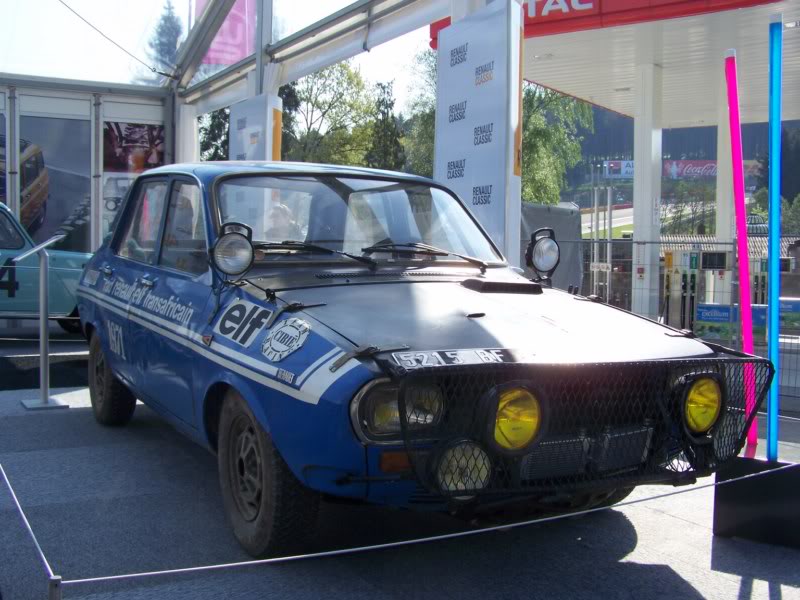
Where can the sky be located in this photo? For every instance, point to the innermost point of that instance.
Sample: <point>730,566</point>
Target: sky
<point>42,37</point>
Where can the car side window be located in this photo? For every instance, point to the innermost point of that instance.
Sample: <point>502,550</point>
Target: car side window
<point>184,244</point>
<point>29,172</point>
<point>10,238</point>
<point>139,241</point>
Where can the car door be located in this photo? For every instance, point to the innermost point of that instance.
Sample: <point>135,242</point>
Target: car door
<point>181,290</point>
<point>127,279</point>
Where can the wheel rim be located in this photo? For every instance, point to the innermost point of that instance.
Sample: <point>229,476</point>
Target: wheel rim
<point>99,377</point>
<point>244,466</point>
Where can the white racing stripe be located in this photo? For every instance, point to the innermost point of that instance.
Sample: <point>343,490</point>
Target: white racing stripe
<point>310,392</point>
<point>304,375</point>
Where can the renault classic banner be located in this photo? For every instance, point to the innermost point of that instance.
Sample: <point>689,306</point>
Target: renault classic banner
<point>476,149</point>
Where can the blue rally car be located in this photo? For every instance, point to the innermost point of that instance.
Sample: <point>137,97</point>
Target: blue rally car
<point>347,332</point>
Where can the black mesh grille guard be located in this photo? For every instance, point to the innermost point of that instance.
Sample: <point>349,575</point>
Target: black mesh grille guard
<point>604,425</point>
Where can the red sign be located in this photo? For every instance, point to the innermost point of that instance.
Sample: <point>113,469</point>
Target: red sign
<point>697,169</point>
<point>539,11</point>
<point>548,17</point>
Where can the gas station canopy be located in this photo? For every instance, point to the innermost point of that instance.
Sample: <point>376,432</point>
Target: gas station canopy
<point>590,49</point>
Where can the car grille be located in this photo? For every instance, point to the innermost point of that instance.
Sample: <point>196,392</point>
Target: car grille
<point>603,425</point>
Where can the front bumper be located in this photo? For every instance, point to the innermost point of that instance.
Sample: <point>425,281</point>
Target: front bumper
<point>605,426</point>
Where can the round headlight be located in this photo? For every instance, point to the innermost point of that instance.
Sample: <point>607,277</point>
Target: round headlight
<point>703,404</point>
<point>464,467</point>
<point>233,254</point>
<point>518,419</point>
<point>545,255</point>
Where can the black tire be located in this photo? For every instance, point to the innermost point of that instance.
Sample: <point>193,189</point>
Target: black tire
<point>270,511</point>
<point>71,325</point>
<point>113,403</point>
<point>614,497</point>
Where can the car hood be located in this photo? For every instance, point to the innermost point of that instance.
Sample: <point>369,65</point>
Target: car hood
<point>547,328</point>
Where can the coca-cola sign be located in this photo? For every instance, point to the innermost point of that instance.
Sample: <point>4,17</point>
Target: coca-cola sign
<point>675,169</point>
<point>690,169</point>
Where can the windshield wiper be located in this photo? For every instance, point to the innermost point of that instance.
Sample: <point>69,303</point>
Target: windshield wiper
<point>308,247</point>
<point>427,249</point>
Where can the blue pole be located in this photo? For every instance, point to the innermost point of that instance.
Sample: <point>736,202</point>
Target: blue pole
<point>774,254</point>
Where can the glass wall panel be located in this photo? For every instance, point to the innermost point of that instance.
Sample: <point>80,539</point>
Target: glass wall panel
<point>128,149</point>
<point>48,39</point>
<point>3,197</point>
<point>290,16</point>
<point>234,41</point>
<point>55,169</point>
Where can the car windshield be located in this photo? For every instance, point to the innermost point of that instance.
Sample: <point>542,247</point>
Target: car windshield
<point>386,219</point>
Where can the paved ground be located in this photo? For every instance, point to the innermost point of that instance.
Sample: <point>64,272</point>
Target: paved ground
<point>111,501</point>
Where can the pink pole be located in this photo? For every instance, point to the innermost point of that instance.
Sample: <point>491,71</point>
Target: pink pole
<point>745,309</point>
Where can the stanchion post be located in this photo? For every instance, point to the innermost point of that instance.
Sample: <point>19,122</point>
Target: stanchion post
<point>54,588</point>
<point>44,336</point>
<point>774,253</point>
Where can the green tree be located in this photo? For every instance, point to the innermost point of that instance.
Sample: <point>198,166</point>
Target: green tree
<point>551,141</point>
<point>790,158</point>
<point>291,103</point>
<point>214,134</point>
<point>162,48</point>
<point>385,150</point>
<point>334,116</point>
<point>420,127</point>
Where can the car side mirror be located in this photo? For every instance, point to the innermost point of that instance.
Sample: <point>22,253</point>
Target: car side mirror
<point>233,252</point>
<point>543,254</point>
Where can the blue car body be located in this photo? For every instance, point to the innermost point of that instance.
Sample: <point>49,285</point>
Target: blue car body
<point>19,283</point>
<point>295,343</point>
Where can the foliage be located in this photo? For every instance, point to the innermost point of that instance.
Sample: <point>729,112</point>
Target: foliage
<point>420,126</point>
<point>214,135</point>
<point>333,117</point>
<point>551,141</point>
<point>385,150</point>
<point>163,44</point>
<point>291,103</point>
<point>790,158</point>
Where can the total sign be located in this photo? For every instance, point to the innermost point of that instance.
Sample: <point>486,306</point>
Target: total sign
<point>553,9</point>
<point>477,148</point>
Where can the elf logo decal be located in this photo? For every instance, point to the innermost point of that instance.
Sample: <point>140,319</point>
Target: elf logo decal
<point>287,337</point>
<point>242,321</point>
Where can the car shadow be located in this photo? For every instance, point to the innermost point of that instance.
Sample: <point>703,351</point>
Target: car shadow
<point>106,501</point>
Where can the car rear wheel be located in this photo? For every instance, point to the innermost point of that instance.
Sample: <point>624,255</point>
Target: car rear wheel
<point>270,511</point>
<point>72,324</point>
<point>112,402</point>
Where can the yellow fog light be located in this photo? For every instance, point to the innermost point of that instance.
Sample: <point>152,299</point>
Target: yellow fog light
<point>519,417</point>
<point>703,404</point>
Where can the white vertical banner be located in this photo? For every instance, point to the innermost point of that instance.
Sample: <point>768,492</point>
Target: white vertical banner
<point>254,130</point>
<point>478,114</point>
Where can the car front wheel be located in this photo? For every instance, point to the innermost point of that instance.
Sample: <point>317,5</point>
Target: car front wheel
<point>270,511</point>
<point>112,402</point>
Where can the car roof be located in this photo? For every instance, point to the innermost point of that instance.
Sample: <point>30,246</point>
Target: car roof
<point>207,171</point>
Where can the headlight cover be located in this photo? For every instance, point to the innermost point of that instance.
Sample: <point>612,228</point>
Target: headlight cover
<point>518,419</point>
<point>546,255</point>
<point>376,414</point>
<point>703,404</point>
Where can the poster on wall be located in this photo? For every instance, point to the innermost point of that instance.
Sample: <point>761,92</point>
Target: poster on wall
<point>54,179</point>
<point>477,117</point>
<point>128,149</point>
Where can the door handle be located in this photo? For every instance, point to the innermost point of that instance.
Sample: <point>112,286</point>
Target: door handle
<point>148,283</point>
<point>107,271</point>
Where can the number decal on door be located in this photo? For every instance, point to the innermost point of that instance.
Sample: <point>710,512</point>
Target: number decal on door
<point>11,285</point>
